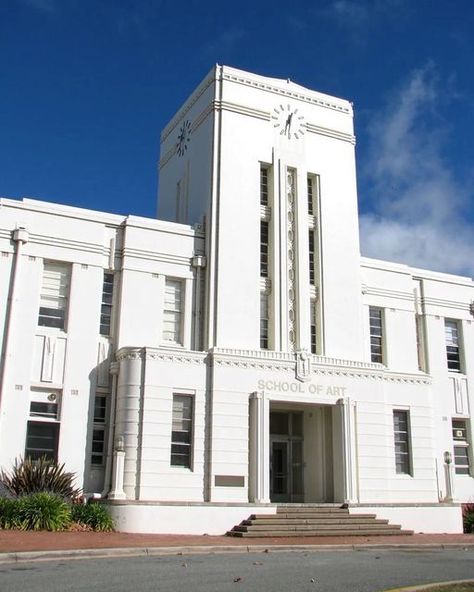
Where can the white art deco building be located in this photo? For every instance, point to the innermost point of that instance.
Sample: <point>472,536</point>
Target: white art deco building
<point>238,352</point>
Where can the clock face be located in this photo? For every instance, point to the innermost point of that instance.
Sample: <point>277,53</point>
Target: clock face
<point>288,121</point>
<point>183,137</point>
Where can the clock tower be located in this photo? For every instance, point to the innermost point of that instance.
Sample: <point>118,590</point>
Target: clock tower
<point>269,167</point>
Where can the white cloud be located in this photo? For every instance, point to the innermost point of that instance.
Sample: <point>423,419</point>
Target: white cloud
<point>417,202</point>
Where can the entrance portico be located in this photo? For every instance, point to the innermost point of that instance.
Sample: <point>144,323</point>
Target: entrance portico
<point>301,452</point>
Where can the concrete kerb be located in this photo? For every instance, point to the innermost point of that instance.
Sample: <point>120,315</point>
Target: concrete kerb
<point>32,556</point>
<point>433,587</point>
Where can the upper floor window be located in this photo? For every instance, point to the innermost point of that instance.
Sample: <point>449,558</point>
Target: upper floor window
<point>264,318</point>
<point>311,257</point>
<point>376,334</point>
<point>264,248</point>
<point>453,348</point>
<point>54,295</point>
<point>310,183</point>
<point>106,306</point>
<point>314,342</point>
<point>263,186</point>
<point>173,311</point>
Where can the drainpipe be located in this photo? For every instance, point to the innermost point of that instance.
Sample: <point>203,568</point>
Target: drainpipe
<point>19,238</point>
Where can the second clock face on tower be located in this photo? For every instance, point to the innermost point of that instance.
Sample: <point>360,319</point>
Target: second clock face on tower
<point>183,137</point>
<point>288,122</point>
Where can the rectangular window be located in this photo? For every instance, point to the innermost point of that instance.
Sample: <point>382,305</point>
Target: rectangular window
<point>311,257</point>
<point>106,307</point>
<point>173,311</point>
<point>42,440</point>
<point>401,427</point>
<point>263,186</point>
<point>263,320</point>
<point>264,248</point>
<point>310,195</point>
<point>182,431</point>
<point>54,295</point>
<point>453,350</point>
<point>313,327</point>
<point>461,447</point>
<point>99,429</point>
<point>376,334</point>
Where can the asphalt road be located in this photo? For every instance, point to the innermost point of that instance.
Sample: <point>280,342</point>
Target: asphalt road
<point>323,571</point>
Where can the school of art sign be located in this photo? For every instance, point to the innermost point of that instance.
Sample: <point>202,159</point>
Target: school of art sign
<point>283,386</point>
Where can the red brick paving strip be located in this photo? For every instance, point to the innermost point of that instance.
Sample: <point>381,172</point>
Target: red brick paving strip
<point>17,541</point>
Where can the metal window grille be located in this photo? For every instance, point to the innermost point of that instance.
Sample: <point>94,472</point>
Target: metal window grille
<point>311,257</point>
<point>264,186</point>
<point>310,196</point>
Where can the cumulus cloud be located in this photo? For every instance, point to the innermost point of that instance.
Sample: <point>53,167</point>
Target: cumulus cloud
<point>417,203</point>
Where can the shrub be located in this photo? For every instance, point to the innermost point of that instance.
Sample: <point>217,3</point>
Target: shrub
<point>8,513</point>
<point>42,475</point>
<point>43,511</point>
<point>93,515</point>
<point>468,517</point>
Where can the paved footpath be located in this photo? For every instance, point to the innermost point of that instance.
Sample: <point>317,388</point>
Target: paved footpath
<point>18,545</point>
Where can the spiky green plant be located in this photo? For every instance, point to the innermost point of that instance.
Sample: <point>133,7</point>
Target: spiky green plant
<point>32,476</point>
<point>9,513</point>
<point>93,515</point>
<point>43,511</point>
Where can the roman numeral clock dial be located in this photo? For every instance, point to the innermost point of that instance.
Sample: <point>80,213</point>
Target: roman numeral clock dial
<point>288,122</point>
<point>183,138</point>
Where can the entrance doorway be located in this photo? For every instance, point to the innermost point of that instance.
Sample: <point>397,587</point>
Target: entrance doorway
<point>286,460</point>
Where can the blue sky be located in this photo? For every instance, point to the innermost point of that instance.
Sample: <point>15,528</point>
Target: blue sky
<point>86,86</point>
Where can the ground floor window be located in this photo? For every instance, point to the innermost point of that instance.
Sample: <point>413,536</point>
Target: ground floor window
<point>42,440</point>
<point>401,432</point>
<point>182,431</point>
<point>462,464</point>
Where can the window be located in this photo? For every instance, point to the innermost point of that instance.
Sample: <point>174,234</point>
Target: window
<point>453,352</point>
<point>263,186</point>
<point>263,320</point>
<point>401,427</point>
<point>99,429</point>
<point>376,334</point>
<point>173,311</point>
<point>42,431</point>
<point>461,447</point>
<point>311,257</point>
<point>106,307</point>
<point>182,431</point>
<point>263,248</point>
<point>42,440</point>
<point>313,327</point>
<point>310,195</point>
<point>54,295</point>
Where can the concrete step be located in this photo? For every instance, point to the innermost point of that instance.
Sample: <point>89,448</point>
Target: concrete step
<point>319,527</point>
<point>298,521</point>
<point>319,533</point>
<point>322,520</point>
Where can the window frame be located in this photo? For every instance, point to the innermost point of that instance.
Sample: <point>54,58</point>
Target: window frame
<point>463,443</point>
<point>377,357</point>
<point>46,314</point>
<point>455,356</point>
<point>178,442</point>
<point>105,328</point>
<point>178,333</point>
<point>406,457</point>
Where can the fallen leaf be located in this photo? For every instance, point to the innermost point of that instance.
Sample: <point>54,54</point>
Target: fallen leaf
<point>237,580</point>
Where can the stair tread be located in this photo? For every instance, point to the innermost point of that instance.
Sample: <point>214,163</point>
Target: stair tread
<point>317,533</point>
